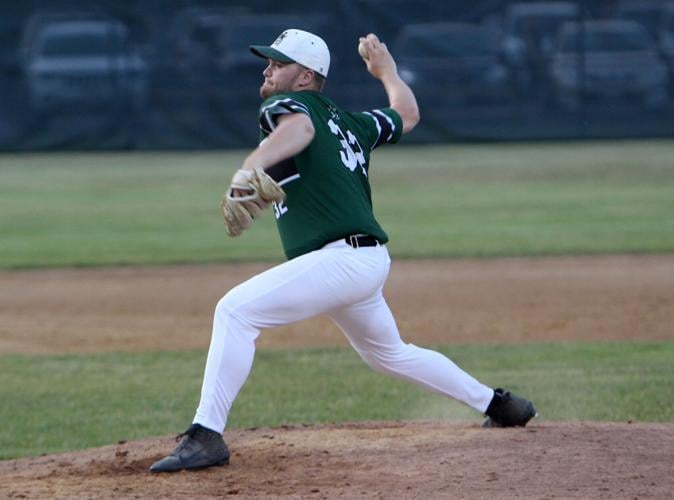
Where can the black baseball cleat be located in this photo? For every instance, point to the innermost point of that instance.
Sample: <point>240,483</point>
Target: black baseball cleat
<point>200,447</point>
<point>508,410</point>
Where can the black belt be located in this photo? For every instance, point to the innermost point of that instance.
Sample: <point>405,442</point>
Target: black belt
<point>359,240</point>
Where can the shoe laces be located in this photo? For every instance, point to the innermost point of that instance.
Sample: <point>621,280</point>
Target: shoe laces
<point>189,433</point>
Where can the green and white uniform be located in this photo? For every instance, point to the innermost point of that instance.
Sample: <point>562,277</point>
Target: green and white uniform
<point>328,199</point>
<point>327,186</point>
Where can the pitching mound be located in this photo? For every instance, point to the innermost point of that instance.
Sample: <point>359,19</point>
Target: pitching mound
<point>376,460</point>
<point>444,301</point>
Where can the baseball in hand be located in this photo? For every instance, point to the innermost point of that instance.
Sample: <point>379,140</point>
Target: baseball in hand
<point>362,50</point>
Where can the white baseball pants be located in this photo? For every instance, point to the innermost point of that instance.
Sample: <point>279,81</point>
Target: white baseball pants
<point>344,282</point>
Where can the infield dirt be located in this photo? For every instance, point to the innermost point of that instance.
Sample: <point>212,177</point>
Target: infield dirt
<point>441,301</point>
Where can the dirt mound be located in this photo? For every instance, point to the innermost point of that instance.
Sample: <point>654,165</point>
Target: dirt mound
<point>376,460</point>
<point>441,301</point>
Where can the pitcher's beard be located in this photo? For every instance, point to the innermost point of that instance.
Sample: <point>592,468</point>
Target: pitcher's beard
<point>270,90</point>
<point>265,91</point>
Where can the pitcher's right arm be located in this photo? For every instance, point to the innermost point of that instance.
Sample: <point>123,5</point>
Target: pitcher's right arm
<point>382,66</point>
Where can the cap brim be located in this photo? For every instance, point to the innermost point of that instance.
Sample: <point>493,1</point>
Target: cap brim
<point>270,53</point>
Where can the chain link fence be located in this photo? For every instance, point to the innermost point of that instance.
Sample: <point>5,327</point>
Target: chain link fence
<point>178,74</point>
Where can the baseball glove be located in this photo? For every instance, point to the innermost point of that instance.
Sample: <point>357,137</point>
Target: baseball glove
<point>250,192</point>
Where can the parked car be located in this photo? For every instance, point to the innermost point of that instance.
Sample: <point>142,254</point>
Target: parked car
<point>459,63</point>
<point>205,54</point>
<point>83,62</point>
<point>195,44</point>
<point>607,62</point>
<point>529,40</point>
<point>204,75</point>
<point>648,13</point>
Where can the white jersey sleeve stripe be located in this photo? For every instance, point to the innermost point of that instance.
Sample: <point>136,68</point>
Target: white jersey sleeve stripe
<point>391,127</point>
<point>289,179</point>
<point>279,107</point>
<point>376,122</point>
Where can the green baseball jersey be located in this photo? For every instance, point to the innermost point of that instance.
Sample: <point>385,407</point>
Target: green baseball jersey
<point>327,187</point>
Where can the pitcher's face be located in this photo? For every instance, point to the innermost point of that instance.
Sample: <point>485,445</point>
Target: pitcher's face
<point>280,77</point>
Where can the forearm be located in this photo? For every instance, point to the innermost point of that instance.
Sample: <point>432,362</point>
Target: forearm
<point>382,66</point>
<point>402,99</point>
<point>290,137</point>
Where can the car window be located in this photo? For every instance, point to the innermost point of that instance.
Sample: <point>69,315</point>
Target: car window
<point>604,41</point>
<point>649,18</point>
<point>241,35</point>
<point>538,26</point>
<point>79,44</point>
<point>464,44</point>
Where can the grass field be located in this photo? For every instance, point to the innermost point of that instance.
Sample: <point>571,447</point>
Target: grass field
<point>69,402</point>
<point>458,200</point>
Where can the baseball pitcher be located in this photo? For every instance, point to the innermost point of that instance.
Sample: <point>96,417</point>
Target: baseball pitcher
<point>311,167</point>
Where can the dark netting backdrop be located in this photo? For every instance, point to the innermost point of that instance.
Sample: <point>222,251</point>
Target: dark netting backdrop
<point>170,74</point>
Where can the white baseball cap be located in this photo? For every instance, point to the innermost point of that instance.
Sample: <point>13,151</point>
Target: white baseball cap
<point>297,46</point>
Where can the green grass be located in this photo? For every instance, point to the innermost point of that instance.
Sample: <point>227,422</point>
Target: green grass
<point>59,403</point>
<point>454,200</point>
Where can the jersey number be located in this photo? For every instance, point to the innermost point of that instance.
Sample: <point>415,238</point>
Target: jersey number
<point>351,153</point>
<point>279,209</point>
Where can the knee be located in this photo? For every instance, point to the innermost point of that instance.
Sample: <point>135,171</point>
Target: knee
<point>372,361</point>
<point>232,304</point>
<point>242,307</point>
<point>386,359</point>
<point>230,308</point>
<point>225,306</point>
<point>230,321</point>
